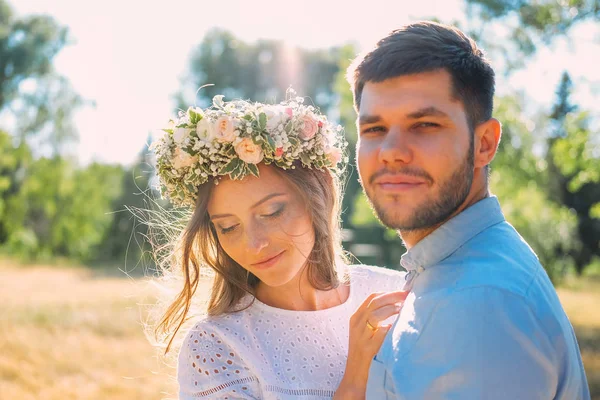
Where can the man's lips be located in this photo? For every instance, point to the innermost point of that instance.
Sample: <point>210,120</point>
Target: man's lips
<point>399,182</point>
<point>267,262</point>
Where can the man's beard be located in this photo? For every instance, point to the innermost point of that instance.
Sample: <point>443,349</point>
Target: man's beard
<point>453,193</point>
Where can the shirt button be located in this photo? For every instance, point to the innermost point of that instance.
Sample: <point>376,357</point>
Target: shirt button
<point>420,269</point>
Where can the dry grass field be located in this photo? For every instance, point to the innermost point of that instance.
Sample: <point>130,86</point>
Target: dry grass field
<point>71,333</point>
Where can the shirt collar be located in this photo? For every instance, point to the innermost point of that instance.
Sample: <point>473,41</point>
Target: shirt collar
<point>454,233</point>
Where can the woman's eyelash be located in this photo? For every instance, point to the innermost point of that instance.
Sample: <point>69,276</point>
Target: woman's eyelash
<point>275,214</point>
<point>227,230</point>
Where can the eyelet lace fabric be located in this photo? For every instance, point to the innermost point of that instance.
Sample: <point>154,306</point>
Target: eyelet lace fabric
<point>270,353</point>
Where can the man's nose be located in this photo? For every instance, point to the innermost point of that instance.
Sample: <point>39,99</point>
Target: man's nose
<point>395,147</point>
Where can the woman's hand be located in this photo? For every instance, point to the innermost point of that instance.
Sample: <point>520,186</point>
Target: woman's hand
<point>366,337</point>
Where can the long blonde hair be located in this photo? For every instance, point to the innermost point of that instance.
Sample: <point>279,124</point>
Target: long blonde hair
<point>199,247</point>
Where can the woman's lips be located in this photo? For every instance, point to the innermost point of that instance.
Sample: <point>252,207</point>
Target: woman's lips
<point>268,262</point>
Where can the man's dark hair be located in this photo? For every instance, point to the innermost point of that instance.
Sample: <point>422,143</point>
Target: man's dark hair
<point>426,47</point>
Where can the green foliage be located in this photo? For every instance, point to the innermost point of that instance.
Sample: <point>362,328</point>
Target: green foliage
<point>57,210</point>
<point>577,154</point>
<point>260,71</point>
<point>574,171</point>
<point>549,228</point>
<point>27,48</point>
<point>124,241</point>
<point>539,21</point>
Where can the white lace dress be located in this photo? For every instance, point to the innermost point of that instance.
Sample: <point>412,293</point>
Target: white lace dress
<point>270,353</point>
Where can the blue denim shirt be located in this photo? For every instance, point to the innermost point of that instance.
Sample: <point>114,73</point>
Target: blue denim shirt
<point>483,320</point>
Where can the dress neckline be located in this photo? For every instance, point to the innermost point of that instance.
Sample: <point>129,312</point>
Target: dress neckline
<point>259,305</point>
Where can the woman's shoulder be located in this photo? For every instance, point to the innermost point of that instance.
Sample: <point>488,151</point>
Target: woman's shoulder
<point>375,279</point>
<point>209,327</point>
<point>209,361</point>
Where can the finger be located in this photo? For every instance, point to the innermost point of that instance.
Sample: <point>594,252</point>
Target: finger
<point>383,313</point>
<point>378,337</point>
<point>387,299</point>
<point>365,304</point>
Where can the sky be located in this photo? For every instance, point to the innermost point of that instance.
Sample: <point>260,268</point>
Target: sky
<point>129,56</point>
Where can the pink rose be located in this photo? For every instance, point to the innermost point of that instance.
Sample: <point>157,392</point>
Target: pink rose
<point>309,128</point>
<point>289,112</point>
<point>279,152</point>
<point>334,155</point>
<point>249,152</point>
<point>225,130</point>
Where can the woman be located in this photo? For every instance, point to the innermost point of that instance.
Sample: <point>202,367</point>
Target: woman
<point>286,317</point>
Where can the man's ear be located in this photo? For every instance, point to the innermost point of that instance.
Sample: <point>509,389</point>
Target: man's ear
<point>487,138</point>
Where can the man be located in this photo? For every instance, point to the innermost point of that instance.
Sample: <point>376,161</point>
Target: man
<point>483,320</point>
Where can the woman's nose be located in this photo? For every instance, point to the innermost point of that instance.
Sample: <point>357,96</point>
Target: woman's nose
<point>257,239</point>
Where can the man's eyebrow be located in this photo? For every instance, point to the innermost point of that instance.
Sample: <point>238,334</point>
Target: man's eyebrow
<point>368,119</point>
<point>427,112</point>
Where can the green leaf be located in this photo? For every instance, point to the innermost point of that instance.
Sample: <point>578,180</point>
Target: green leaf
<point>239,171</point>
<point>253,168</point>
<point>271,142</point>
<point>305,158</point>
<point>262,120</point>
<point>168,131</point>
<point>194,116</point>
<point>230,166</point>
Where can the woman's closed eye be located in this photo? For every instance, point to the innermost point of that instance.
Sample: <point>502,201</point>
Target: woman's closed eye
<point>275,213</point>
<point>226,230</point>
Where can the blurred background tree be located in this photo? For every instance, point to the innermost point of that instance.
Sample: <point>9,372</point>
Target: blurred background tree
<point>546,173</point>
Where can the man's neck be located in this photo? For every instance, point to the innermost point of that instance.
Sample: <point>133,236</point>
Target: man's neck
<point>411,238</point>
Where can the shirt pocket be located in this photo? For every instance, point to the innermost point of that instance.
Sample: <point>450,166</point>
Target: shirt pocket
<point>376,385</point>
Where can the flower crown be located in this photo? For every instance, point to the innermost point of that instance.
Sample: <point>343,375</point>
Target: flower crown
<point>231,138</point>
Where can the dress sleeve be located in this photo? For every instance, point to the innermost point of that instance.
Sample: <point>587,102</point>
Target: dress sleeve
<point>480,343</point>
<point>210,369</point>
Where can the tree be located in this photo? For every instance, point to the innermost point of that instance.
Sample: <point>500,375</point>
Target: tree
<point>535,23</point>
<point>519,178</point>
<point>260,71</point>
<point>27,49</point>
<point>124,241</point>
<point>38,101</point>
<point>574,171</point>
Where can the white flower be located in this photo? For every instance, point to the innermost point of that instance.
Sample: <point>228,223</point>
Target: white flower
<point>249,152</point>
<point>276,116</point>
<point>180,134</point>
<point>225,131</point>
<point>206,130</point>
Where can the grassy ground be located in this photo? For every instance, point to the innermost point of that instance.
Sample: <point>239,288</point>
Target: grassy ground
<point>68,333</point>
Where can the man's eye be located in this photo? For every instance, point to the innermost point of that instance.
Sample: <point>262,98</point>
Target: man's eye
<point>373,129</point>
<point>426,125</point>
